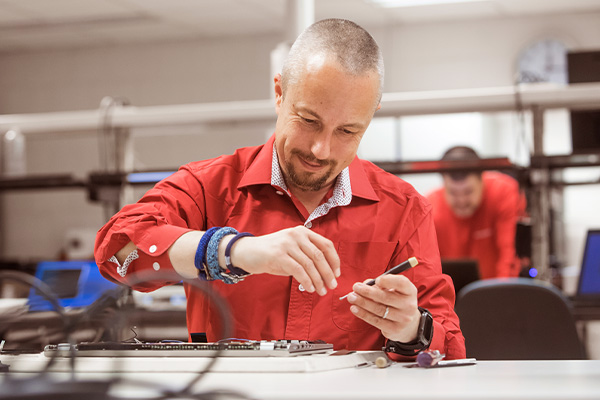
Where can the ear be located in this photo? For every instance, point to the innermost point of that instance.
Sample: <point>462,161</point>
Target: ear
<point>278,92</point>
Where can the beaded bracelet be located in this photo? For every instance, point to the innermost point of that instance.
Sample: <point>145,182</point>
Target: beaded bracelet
<point>212,255</point>
<point>200,257</point>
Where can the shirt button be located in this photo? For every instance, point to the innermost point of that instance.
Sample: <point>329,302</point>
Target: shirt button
<point>308,225</point>
<point>301,288</point>
<point>153,248</point>
<point>156,266</point>
<point>279,192</point>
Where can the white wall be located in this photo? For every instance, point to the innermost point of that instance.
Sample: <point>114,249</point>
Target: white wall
<point>418,57</point>
<point>35,222</point>
<point>480,53</point>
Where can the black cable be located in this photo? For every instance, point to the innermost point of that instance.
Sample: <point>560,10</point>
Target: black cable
<point>49,295</point>
<point>520,109</point>
<point>215,298</point>
<point>133,279</point>
<point>40,387</point>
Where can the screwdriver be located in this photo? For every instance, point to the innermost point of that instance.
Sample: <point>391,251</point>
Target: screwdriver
<point>411,262</point>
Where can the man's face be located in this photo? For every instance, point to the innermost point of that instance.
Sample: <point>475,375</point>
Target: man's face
<point>321,121</point>
<point>464,196</point>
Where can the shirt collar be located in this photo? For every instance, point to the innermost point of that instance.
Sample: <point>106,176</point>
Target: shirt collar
<point>259,171</point>
<point>265,168</point>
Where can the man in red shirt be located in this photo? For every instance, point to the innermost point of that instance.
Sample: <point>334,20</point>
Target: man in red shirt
<point>323,220</point>
<point>475,216</point>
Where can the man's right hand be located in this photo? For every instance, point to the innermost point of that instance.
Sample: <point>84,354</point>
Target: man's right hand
<point>298,252</point>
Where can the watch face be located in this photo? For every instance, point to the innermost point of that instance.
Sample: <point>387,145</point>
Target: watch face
<point>543,61</point>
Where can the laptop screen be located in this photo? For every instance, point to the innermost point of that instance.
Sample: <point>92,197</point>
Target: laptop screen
<point>63,283</point>
<point>75,284</point>
<point>589,278</point>
<point>462,271</point>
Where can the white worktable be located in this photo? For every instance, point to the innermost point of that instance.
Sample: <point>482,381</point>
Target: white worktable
<point>512,380</point>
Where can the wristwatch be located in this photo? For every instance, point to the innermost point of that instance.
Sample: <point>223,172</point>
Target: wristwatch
<point>422,342</point>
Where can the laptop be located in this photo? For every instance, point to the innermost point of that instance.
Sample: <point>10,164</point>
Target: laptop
<point>462,271</point>
<point>588,287</point>
<point>76,284</point>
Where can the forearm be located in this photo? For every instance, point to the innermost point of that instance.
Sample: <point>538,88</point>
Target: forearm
<point>182,253</point>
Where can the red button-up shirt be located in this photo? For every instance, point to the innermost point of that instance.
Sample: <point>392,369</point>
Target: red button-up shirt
<point>386,222</point>
<point>489,234</point>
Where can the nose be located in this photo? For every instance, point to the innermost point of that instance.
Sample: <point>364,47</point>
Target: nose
<point>321,146</point>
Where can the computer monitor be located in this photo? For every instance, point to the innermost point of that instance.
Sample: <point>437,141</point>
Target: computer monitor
<point>589,276</point>
<point>75,284</point>
<point>584,67</point>
<point>462,271</point>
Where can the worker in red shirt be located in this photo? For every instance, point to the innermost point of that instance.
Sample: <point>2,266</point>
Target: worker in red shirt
<point>476,216</point>
<point>285,229</point>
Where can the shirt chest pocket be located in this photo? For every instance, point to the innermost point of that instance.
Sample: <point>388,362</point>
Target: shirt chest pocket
<point>359,261</point>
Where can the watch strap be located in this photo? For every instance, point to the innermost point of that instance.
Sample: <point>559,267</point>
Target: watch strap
<point>422,342</point>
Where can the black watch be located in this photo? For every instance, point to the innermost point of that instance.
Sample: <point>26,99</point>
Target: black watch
<point>422,342</point>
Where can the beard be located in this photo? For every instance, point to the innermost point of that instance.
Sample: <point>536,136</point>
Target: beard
<point>308,181</point>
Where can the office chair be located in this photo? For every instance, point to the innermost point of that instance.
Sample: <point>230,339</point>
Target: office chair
<point>517,319</point>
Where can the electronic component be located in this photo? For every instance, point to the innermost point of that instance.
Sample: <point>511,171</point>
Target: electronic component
<point>229,348</point>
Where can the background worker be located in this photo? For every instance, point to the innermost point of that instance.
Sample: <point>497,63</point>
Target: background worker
<point>476,215</point>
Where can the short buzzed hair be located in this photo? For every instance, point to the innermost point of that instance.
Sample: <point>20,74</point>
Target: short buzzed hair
<point>461,153</point>
<point>352,46</point>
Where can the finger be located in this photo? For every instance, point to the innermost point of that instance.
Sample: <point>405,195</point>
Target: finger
<point>373,319</point>
<point>320,264</point>
<point>373,307</point>
<point>404,301</point>
<point>297,271</point>
<point>310,270</point>
<point>399,283</point>
<point>328,250</point>
<point>374,293</point>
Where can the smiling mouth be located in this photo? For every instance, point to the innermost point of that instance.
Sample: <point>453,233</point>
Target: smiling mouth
<point>312,165</point>
<point>310,162</point>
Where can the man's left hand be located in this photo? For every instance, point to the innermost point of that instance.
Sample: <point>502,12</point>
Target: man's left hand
<point>397,295</point>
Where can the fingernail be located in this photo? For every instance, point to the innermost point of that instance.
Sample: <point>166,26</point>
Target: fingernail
<point>352,297</point>
<point>337,273</point>
<point>354,309</point>
<point>323,291</point>
<point>311,289</point>
<point>333,284</point>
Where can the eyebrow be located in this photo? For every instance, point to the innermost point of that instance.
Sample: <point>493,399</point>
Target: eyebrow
<point>357,125</point>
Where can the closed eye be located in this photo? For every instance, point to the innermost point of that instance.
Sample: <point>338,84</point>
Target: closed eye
<point>348,131</point>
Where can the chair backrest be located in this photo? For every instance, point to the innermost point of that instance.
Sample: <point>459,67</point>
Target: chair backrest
<point>517,319</point>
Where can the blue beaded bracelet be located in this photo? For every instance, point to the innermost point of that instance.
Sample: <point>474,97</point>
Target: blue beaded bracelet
<point>200,256</point>
<point>212,255</point>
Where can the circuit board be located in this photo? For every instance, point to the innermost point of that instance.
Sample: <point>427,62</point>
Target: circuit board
<point>228,348</point>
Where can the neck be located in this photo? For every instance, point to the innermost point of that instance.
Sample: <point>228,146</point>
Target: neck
<point>310,199</point>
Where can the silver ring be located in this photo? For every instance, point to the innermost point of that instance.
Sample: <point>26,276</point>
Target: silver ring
<point>385,314</point>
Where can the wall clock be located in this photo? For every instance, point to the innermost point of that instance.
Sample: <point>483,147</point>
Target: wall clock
<point>543,61</point>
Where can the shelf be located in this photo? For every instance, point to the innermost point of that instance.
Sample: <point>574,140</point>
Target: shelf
<point>427,167</point>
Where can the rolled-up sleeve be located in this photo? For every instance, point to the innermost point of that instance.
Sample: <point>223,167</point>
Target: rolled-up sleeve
<point>167,211</point>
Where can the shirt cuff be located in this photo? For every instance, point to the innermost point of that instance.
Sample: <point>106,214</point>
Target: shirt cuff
<point>122,269</point>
